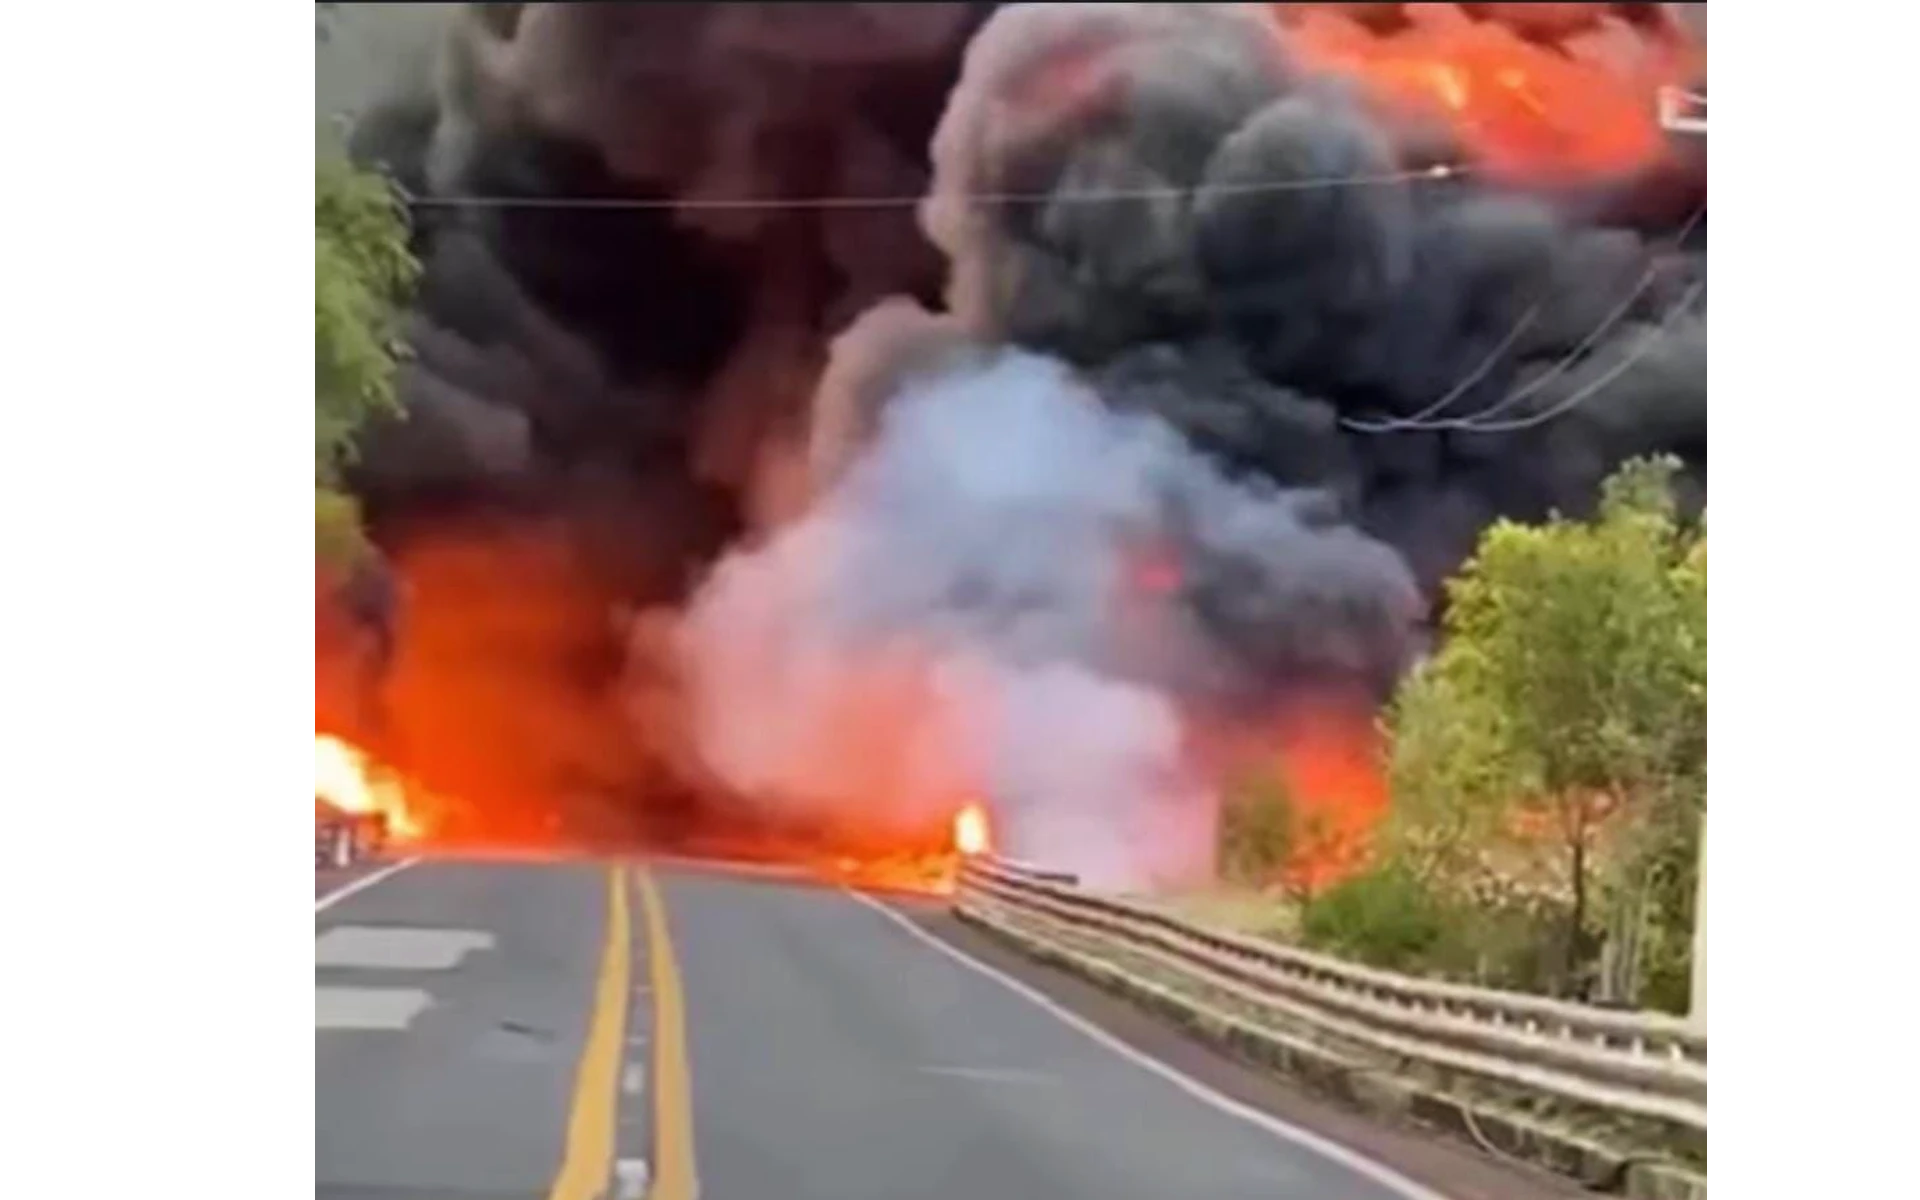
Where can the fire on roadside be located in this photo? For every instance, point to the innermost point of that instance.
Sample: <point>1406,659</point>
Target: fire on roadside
<point>972,835</point>
<point>907,866</point>
<point>346,778</point>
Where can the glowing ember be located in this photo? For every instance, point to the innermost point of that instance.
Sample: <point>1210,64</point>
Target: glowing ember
<point>970,832</point>
<point>344,778</point>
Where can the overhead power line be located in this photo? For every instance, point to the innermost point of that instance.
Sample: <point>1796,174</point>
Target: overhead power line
<point>1639,351</point>
<point>1438,172</point>
<point>1084,196</point>
<point>1423,421</point>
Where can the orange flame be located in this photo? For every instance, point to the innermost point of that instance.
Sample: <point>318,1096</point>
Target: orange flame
<point>1582,108</point>
<point>1327,755</point>
<point>971,833</point>
<point>344,777</point>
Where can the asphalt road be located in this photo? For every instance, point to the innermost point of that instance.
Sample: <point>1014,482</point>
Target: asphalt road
<point>333,880</point>
<point>497,1031</point>
<point>450,1007</point>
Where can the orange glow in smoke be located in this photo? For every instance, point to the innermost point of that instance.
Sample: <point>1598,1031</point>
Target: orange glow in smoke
<point>1582,108</point>
<point>971,834</point>
<point>1155,570</point>
<point>345,778</point>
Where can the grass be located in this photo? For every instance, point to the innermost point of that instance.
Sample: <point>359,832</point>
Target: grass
<point>1240,909</point>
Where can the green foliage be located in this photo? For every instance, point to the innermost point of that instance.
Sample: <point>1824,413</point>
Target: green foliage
<point>1386,916</point>
<point>1657,884</point>
<point>1549,763</point>
<point>363,271</point>
<point>1579,635</point>
<point>337,535</point>
<point>1256,836</point>
<point>1393,916</point>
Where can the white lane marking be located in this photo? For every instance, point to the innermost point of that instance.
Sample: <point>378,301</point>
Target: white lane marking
<point>633,1079</point>
<point>397,948</point>
<point>361,884</point>
<point>1379,1173</point>
<point>637,1039</point>
<point>991,1074</point>
<point>367,1008</point>
<point>630,1178</point>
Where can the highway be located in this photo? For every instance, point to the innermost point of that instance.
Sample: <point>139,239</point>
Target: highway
<point>497,1031</point>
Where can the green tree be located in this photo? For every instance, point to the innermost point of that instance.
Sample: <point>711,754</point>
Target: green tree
<point>1550,759</point>
<point>363,272</point>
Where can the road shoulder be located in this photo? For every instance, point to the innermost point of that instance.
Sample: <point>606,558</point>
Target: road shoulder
<point>1447,1167</point>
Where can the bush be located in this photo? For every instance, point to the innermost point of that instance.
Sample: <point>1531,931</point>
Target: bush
<point>1384,916</point>
<point>1256,838</point>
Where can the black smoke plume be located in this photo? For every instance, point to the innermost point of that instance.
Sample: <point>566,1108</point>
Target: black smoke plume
<point>661,374</point>
<point>639,342</point>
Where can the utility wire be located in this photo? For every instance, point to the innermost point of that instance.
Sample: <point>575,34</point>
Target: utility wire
<point>1478,421</point>
<point>1418,420</point>
<point>1614,372</point>
<point>1421,421</point>
<point>1088,196</point>
<point>1565,362</point>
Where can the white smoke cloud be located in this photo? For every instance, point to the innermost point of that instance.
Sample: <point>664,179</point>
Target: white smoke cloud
<point>955,618</point>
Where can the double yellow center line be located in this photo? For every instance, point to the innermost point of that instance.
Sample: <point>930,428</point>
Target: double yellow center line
<point>586,1165</point>
<point>673,1177</point>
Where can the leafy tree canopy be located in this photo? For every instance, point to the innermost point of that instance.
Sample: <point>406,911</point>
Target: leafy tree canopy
<point>363,272</point>
<point>1551,757</point>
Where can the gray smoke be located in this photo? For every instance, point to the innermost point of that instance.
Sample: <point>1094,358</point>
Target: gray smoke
<point>962,615</point>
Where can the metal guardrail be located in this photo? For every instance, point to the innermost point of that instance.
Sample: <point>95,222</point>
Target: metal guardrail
<point>1634,1063</point>
<point>1027,871</point>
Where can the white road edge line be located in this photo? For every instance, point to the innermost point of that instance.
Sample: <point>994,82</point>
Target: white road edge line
<point>361,884</point>
<point>1379,1173</point>
<point>991,1074</point>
